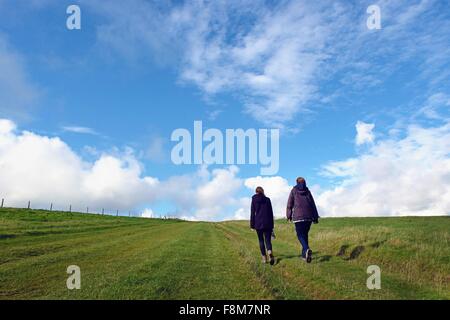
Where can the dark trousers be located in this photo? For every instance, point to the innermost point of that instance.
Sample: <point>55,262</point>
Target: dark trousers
<point>302,229</point>
<point>264,236</point>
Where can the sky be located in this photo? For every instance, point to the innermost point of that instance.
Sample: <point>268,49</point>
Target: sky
<point>86,115</point>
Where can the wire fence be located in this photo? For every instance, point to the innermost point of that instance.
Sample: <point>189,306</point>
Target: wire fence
<point>117,212</point>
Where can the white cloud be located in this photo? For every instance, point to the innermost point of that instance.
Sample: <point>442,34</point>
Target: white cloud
<point>364,133</point>
<point>272,59</point>
<point>242,213</point>
<point>276,188</point>
<point>213,196</point>
<point>205,194</point>
<point>77,129</point>
<point>344,168</point>
<point>395,176</point>
<point>7,127</point>
<point>46,170</point>
<point>436,107</point>
<point>273,65</point>
<point>148,213</point>
<point>278,58</point>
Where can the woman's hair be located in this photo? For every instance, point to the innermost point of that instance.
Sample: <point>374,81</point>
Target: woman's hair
<point>301,180</point>
<point>259,190</point>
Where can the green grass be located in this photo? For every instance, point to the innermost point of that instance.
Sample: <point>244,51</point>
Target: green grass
<point>133,258</point>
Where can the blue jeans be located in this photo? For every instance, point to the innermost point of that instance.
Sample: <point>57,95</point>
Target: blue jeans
<point>302,229</point>
<point>264,236</point>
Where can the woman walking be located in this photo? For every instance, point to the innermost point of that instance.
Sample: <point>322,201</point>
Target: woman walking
<point>261,220</point>
<point>301,209</point>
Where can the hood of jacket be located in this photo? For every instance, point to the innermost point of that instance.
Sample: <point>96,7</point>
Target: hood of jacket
<point>302,188</point>
<point>259,197</point>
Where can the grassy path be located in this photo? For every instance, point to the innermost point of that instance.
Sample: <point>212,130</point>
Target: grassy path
<point>131,258</point>
<point>140,259</point>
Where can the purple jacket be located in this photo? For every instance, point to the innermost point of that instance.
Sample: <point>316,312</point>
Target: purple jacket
<point>261,216</point>
<point>301,205</point>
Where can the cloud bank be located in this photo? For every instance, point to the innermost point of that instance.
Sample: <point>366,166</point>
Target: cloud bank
<point>407,175</point>
<point>46,170</point>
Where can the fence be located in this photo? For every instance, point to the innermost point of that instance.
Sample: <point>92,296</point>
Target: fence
<point>130,213</point>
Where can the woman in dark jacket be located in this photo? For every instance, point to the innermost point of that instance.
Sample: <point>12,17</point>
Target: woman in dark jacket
<point>261,219</point>
<point>301,209</point>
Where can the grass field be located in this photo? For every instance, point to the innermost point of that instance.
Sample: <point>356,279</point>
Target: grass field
<point>135,258</point>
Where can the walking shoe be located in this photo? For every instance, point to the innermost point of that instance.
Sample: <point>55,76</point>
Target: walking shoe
<point>264,259</point>
<point>308,256</point>
<point>272,258</point>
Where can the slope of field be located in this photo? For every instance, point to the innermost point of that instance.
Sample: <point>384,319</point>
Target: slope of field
<point>134,258</point>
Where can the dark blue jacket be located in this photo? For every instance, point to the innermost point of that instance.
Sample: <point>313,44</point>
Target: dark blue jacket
<point>261,216</point>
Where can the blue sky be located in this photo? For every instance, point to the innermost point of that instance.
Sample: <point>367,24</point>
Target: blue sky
<point>117,88</point>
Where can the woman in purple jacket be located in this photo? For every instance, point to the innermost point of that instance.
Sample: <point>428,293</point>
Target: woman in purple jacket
<point>261,220</point>
<point>301,209</point>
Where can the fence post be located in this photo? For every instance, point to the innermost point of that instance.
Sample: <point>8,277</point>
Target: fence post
<point>70,208</point>
<point>87,210</point>
<point>3,200</point>
<point>51,206</point>
<point>117,213</point>
<point>29,204</point>
<point>103,211</point>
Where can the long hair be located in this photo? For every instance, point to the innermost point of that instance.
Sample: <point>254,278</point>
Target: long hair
<point>259,190</point>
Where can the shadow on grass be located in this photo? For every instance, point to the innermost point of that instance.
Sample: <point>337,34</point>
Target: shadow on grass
<point>356,252</point>
<point>280,258</point>
<point>377,244</point>
<point>7,236</point>
<point>316,257</point>
<point>342,250</point>
<point>324,258</point>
